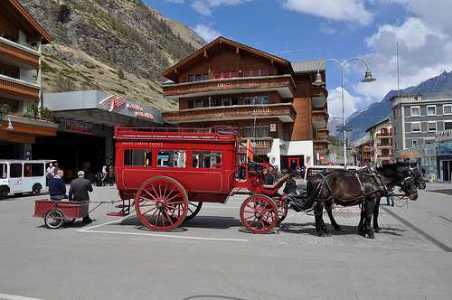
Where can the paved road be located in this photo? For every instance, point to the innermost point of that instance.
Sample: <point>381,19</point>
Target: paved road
<point>212,257</point>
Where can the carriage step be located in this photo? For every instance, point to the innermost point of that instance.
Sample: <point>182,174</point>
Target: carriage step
<point>117,214</point>
<point>122,206</point>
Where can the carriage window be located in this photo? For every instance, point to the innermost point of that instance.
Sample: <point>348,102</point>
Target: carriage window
<point>207,160</point>
<point>33,170</point>
<point>3,169</point>
<point>171,159</point>
<point>137,158</point>
<point>15,170</point>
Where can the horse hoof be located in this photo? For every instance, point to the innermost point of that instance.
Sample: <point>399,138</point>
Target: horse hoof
<point>327,234</point>
<point>377,229</point>
<point>370,236</point>
<point>320,234</point>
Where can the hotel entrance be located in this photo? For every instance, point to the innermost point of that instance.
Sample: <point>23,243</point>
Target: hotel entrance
<point>292,162</point>
<point>446,170</point>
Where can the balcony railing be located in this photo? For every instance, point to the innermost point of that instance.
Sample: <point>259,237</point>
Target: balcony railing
<point>282,83</point>
<point>19,52</point>
<point>18,88</point>
<point>282,111</point>
<point>318,102</point>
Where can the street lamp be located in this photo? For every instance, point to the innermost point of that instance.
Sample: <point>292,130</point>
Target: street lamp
<point>368,77</point>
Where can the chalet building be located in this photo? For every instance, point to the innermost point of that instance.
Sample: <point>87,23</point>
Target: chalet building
<point>363,151</point>
<point>381,141</point>
<point>21,38</point>
<point>270,100</point>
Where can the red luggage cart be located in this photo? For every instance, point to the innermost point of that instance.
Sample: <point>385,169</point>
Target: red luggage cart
<point>57,213</point>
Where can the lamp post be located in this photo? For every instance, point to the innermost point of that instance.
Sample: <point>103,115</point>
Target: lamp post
<point>342,64</point>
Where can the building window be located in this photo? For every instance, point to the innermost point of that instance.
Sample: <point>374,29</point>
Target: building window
<point>15,170</point>
<point>447,109</point>
<point>416,127</point>
<point>413,143</point>
<point>432,127</point>
<point>447,125</point>
<point>197,103</point>
<point>415,111</point>
<point>431,110</point>
<point>137,158</point>
<point>3,171</point>
<point>33,170</point>
<point>206,160</point>
<point>172,159</point>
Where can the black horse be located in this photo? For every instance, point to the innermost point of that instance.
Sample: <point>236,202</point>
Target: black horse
<point>364,187</point>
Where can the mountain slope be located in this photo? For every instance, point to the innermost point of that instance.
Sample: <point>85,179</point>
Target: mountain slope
<point>120,46</point>
<point>438,85</point>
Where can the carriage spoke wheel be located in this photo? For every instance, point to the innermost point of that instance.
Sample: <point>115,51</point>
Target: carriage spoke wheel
<point>259,214</point>
<point>54,219</point>
<point>161,203</point>
<point>193,210</point>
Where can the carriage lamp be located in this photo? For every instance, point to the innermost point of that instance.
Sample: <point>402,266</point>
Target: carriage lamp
<point>10,124</point>
<point>368,77</point>
<point>318,80</point>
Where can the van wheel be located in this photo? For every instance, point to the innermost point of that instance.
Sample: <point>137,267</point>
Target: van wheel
<point>4,191</point>
<point>36,190</point>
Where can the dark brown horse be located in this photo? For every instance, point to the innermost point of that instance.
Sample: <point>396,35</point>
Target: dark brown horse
<point>364,187</point>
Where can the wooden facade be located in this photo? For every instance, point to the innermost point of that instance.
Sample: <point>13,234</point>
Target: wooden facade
<point>21,38</point>
<point>230,84</point>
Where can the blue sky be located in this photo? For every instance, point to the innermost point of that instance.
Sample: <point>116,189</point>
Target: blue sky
<point>312,29</point>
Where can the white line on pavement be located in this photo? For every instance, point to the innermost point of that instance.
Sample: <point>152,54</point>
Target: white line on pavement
<point>103,224</point>
<point>168,236</point>
<point>15,297</point>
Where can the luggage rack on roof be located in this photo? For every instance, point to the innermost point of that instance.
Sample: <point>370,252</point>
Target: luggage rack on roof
<point>179,133</point>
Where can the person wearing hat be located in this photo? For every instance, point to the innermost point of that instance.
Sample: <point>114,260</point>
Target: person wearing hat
<point>79,191</point>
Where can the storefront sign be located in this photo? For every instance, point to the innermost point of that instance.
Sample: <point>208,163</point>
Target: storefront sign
<point>113,102</point>
<point>78,127</point>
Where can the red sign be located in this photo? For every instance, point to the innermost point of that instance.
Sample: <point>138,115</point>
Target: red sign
<point>78,127</point>
<point>113,102</point>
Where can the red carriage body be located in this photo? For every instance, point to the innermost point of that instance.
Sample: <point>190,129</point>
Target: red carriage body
<point>170,172</point>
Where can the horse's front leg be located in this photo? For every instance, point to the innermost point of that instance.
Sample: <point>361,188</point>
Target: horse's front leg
<point>319,224</point>
<point>369,211</point>
<point>361,225</point>
<point>329,210</point>
<point>376,212</point>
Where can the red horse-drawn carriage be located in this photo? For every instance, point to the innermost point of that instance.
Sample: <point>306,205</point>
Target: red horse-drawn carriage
<point>169,173</point>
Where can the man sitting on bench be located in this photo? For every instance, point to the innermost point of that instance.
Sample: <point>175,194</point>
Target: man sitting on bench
<point>79,191</point>
<point>57,187</point>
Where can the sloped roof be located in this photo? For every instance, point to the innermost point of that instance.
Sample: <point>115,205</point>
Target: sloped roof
<point>378,123</point>
<point>29,20</point>
<point>308,66</point>
<point>222,40</point>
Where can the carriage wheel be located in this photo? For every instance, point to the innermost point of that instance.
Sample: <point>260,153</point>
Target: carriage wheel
<point>193,210</point>
<point>259,214</point>
<point>283,209</point>
<point>161,203</point>
<point>54,219</point>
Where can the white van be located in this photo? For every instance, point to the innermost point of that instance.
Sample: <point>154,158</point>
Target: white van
<point>23,176</point>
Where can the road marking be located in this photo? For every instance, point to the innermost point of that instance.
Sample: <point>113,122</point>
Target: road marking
<point>182,237</point>
<point>427,236</point>
<point>446,219</point>
<point>103,224</point>
<point>15,297</point>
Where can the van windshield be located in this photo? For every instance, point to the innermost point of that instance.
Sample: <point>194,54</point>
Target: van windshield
<point>2,171</point>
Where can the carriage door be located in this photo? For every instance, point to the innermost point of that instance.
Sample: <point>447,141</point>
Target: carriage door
<point>15,178</point>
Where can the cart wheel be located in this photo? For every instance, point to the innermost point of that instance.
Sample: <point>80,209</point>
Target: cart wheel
<point>54,219</point>
<point>161,203</point>
<point>193,210</point>
<point>283,209</point>
<point>259,214</point>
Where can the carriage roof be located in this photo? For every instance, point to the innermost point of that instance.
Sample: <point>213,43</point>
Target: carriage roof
<point>163,134</point>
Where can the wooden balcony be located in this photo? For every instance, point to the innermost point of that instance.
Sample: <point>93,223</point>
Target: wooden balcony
<point>18,88</point>
<point>12,51</point>
<point>318,102</point>
<point>283,84</point>
<point>384,135</point>
<point>25,130</point>
<point>284,112</point>
<point>319,121</point>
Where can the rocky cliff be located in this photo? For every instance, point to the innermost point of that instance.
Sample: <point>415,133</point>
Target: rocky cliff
<point>120,46</point>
